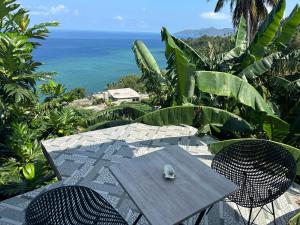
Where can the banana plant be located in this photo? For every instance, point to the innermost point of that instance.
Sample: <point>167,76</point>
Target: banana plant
<point>240,41</point>
<point>146,61</point>
<point>259,67</point>
<point>224,84</point>
<point>288,29</point>
<point>267,31</point>
<point>242,77</point>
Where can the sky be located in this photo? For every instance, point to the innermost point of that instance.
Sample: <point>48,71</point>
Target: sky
<point>132,15</point>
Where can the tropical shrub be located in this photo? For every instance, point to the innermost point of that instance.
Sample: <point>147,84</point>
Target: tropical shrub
<point>129,81</point>
<point>24,119</point>
<point>211,46</point>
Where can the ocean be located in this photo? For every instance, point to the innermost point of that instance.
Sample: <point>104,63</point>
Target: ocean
<point>92,59</point>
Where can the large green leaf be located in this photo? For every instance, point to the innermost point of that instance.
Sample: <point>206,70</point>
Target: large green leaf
<point>218,146</point>
<point>145,59</point>
<point>295,127</point>
<point>267,31</point>
<point>241,37</point>
<point>29,171</point>
<point>195,57</point>
<point>275,128</point>
<point>259,67</point>
<point>6,7</point>
<point>281,85</point>
<point>197,116</point>
<point>233,53</point>
<point>180,64</point>
<point>114,113</point>
<point>240,41</point>
<point>224,84</point>
<point>289,28</point>
<point>295,220</point>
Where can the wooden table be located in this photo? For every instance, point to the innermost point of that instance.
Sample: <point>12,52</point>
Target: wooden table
<point>167,202</point>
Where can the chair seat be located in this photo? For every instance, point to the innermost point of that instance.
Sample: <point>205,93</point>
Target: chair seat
<point>258,194</point>
<point>72,205</point>
<point>263,170</point>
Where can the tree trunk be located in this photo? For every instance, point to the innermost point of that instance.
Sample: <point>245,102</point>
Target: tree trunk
<point>248,27</point>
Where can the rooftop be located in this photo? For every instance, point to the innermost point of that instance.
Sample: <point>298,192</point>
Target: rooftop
<point>83,159</point>
<point>123,93</point>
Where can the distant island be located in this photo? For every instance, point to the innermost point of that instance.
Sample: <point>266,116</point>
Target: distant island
<point>211,31</point>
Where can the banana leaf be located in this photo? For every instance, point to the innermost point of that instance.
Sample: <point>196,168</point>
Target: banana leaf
<point>267,30</point>
<point>224,84</point>
<point>240,41</point>
<point>195,57</point>
<point>293,77</point>
<point>233,53</point>
<point>295,127</point>
<point>218,146</point>
<point>275,128</point>
<point>196,116</point>
<point>289,28</point>
<point>180,64</point>
<point>145,60</point>
<point>108,124</point>
<point>259,67</point>
<point>281,85</point>
<point>114,113</point>
<point>241,37</point>
<point>295,220</point>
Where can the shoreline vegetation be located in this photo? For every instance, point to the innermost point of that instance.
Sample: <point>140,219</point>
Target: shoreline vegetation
<point>226,87</point>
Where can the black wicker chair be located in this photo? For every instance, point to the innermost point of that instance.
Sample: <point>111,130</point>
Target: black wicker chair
<point>72,205</point>
<point>263,170</point>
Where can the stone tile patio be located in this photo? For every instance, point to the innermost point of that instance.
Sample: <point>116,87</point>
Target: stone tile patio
<point>83,159</point>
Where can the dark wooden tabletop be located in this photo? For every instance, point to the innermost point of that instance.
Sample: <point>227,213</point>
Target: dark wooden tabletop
<point>169,202</point>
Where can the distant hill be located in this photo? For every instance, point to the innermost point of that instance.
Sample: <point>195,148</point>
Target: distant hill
<point>212,31</point>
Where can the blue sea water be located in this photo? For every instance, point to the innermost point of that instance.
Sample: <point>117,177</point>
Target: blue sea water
<point>93,59</point>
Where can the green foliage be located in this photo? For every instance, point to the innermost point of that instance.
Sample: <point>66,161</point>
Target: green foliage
<point>267,31</point>
<point>295,220</point>
<point>52,90</point>
<point>247,81</point>
<point>288,28</point>
<point>259,67</point>
<point>122,112</point>
<point>29,171</point>
<point>211,46</point>
<point>74,94</point>
<point>241,35</point>
<point>255,12</point>
<point>130,81</point>
<point>61,123</point>
<point>22,163</point>
<point>197,116</point>
<point>240,42</point>
<point>224,84</point>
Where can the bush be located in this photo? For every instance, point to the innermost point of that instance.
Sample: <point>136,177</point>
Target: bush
<point>130,81</point>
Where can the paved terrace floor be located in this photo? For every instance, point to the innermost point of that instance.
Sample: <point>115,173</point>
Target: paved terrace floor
<point>83,159</point>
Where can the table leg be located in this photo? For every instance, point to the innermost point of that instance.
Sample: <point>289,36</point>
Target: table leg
<point>137,219</point>
<point>200,217</point>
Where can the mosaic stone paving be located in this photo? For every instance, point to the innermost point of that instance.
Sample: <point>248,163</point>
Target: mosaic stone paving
<point>83,159</point>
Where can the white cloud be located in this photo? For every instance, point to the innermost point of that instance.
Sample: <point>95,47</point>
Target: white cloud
<point>118,18</point>
<point>42,10</point>
<point>59,9</point>
<point>214,16</point>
